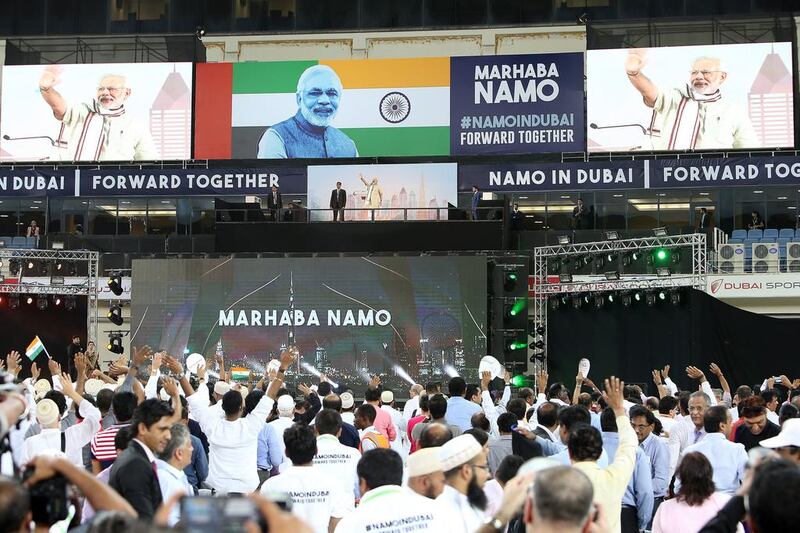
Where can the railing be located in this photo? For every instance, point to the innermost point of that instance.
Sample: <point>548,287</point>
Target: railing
<point>359,214</point>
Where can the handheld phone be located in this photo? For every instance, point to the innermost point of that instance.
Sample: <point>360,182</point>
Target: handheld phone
<point>225,514</point>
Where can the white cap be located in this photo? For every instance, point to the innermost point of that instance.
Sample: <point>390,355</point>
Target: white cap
<point>424,461</point>
<point>40,388</point>
<point>458,451</point>
<point>789,435</point>
<point>93,386</point>
<point>347,400</point>
<point>537,464</point>
<point>109,386</point>
<point>221,387</point>
<point>387,396</point>
<point>285,403</point>
<point>47,412</point>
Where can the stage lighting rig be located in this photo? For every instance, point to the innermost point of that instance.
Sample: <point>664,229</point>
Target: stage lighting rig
<point>70,303</point>
<point>115,315</point>
<point>115,343</point>
<point>41,302</point>
<point>115,284</point>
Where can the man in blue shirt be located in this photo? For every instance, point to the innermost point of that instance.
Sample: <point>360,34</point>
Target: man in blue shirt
<point>269,452</point>
<point>459,409</point>
<point>728,459</point>
<point>644,423</point>
<point>308,134</point>
<point>637,503</point>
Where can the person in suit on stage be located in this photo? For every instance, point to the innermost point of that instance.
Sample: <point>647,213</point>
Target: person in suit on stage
<point>338,202</point>
<point>579,215</point>
<point>134,473</point>
<point>275,203</point>
<point>704,221</point>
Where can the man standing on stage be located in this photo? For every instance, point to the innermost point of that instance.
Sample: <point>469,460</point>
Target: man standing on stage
<point>73,349</point>
<point>694,115</point>
<point>579,215</point>
<point>338,201</point>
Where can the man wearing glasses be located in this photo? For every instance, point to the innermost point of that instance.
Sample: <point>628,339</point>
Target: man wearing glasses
<point>695,115</point>
<point>466,470</point>
<point>100,130</point>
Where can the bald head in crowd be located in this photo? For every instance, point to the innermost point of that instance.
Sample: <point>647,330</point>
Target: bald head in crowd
<point>560,500</point>
<point>434,435</point>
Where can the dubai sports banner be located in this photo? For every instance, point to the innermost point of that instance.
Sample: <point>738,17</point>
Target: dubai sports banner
<point>389,107</point>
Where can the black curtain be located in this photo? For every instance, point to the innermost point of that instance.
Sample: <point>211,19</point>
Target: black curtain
<point>631,342</point>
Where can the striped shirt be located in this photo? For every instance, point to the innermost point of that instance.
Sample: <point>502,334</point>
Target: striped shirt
<point>103,448</point>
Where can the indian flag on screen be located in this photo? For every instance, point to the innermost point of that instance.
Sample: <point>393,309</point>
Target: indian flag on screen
<point>388,106</point>
<point>35,348</point>
<point>239,373</point>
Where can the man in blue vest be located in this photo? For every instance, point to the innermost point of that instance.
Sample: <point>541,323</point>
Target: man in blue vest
<point>309,133</point>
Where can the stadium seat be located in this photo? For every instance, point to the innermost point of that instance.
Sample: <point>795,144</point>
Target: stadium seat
<point>796,239</point>
<point>31,242</point>
<point>735,241</point>
<point>797,232</point>
<point>19,242</point>
<point>782,241</point>
<point>741,234</point>
<point>755,234</point>
<point>771,234</point>
<point>786,233</point>
<point>7,241</point>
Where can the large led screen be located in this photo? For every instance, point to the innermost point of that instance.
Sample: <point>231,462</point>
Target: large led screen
<point>690,98</point>
<point>406,318</point>
<point>97,112</point>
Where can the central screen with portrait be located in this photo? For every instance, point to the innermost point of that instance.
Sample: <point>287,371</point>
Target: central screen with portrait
<point>410,319</point>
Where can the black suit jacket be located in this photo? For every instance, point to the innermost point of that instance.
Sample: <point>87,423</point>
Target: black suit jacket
<point>338,201</point>
<point>132,476</point>
<point>274,204</point>
<point>539,432</point>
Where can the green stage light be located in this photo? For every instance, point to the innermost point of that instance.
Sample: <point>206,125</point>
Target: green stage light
<point>516,345</point>
<point>661,255</point>
<point>518,307</point>
<point>518,380</point>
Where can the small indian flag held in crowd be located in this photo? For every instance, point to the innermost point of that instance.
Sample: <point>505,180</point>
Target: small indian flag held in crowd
<point>35,348</point>
<point>239,373</point>
<point>388,106</point>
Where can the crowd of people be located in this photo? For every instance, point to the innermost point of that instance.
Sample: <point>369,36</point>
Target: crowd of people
<point>151,446</point>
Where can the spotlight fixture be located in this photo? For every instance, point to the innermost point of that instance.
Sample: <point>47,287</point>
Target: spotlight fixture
<point>57,300</point>
<point>563,239</point>
<point>115,284</point>
<point>650,298</point>
<point>675,297</point>
<point>72,268</point>
<point>676,257</point>
<point>30,264</point>
<point>554,302</point>
<point>14,267</point>
<point>537,356</point>
<point>115,315</point>
<point>577,302</point>
<point>59,266</point>
<point>662,295</point>
<point>13,301</point>
<point>29,300</point>
<point>611,257</point>
<point>612,275</point>
<point>612,235</point>
<point>564,299</point>
<point>510,281</point>
<point>69,303</point>
<point>663,272</point>
<point>599,301</point>
<point>637,296</point>
<point>536,344</point>
<point>627,299</point>
<point>660,231</point>
<point>629,259</point>
<point>565,278</point>
<point>540,330</point>
<point>115,343</point>
<point>44,268</point>
<point>41,302</point>
<point>599,262</point>
<point>611,298</point>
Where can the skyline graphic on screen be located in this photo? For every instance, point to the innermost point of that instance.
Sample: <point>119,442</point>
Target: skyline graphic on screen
<point>410,319</point>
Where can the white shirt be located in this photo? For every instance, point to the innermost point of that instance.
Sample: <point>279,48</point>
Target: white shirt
<point>397,444</point>
<point>408,410</point>
<point>315,497</point>
<point>464,517</point>
<point>172,481</point>
<point>681,437</point>
<point>338,462</point>
<point>667,423</point>
<point>76,437</point>
<point>727,458</point>
<point>772,416</point>
<point>349,417</point>
<point>127,138</point>
<point>233,445</point>
<point>394,509</point>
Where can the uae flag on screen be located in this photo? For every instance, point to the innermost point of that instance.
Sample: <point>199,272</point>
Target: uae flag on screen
<point>391,107</point>
<point>35,348</point>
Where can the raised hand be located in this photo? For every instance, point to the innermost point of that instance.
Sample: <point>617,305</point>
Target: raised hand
<point>665,372</point>
<point>157,359</point>
<point>80,363</point>
<point>541,380</point>
<point>173,364</point>
<point>35,372</point>
<point>635,61</point>
<point>375,382</point>
<point>507,377</point>
<point>55,368</point>
<point>287,358</point>
<point>657,378</point>
<point>51,76</point>
<point>579,378</point>
<point>12,362</point>
<point>613,395</point>
<point>302,387</point>
<point>695,373</point>
<point>715,369</point>
<point>170,385</point>
<point>273,373</point>
<point>201,372</point>
<point>66,384</point>
<point>141,355</point>
<point>486,378</point>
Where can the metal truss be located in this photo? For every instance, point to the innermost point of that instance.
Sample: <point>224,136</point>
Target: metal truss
<point>543,289</point>
<point>77,286</point>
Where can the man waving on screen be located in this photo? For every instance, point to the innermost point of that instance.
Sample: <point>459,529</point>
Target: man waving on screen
<point>694,115</point>
<point>100,130</point>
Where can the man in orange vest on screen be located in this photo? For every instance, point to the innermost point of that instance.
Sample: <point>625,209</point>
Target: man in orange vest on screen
<point>371,438</point>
